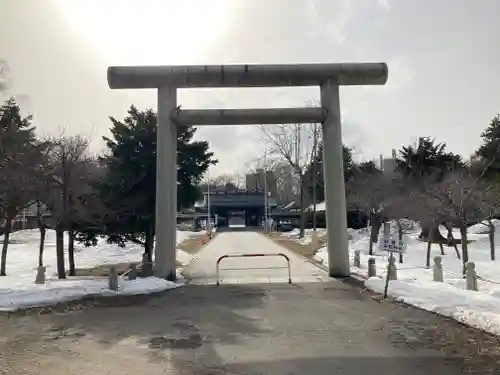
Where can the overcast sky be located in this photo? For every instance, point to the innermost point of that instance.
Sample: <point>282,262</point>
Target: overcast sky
<point>443,57</point>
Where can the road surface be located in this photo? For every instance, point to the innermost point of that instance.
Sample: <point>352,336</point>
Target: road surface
<point>248,270</point>
<point>272,328</point>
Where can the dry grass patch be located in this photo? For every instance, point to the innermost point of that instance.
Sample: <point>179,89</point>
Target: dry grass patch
<point>103,270</point>
<point>191,246</point>
<point>194,244</point>
<point>291,244</point>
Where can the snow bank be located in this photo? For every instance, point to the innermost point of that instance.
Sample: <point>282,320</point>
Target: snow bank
<point>308,233</point>
<point>483,227</point>
<point>415,286</point>
<point>55,291</point>
<point>476,309</point>
<point>17,289</point>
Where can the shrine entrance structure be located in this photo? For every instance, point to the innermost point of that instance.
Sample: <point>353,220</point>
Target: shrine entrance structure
<point>167,79</point>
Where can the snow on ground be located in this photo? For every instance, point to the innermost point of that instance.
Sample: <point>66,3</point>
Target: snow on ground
<point>17,289</point>
<point>415,285</point>
<point>56,291</point>
<point>307,234</point>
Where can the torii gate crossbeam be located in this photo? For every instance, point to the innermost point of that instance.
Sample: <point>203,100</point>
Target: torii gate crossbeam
<point>167,79</point>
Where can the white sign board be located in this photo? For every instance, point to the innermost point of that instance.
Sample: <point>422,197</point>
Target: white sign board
<point>392,245</point>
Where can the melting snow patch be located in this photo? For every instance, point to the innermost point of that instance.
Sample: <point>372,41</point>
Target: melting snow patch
<point>18,291</point>
<point>69,290</point>
<point>415,283</point>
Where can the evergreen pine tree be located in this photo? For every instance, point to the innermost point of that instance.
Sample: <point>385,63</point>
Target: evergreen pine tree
<point>128,190</point>
<point>19,156</point>
<point>489,152</point>
<point>348,164</point>
<point>427,159</point>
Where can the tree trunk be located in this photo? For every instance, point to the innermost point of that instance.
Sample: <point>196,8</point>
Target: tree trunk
<point>491,235</point>
<point>6,235</point>
<point>71,253</point>
<point>375,228</point>
<point>376,223</point>
<point>449,236</point>
<point>456,250</point>
<point>425,232</point>
<point>61,271</point>
<point>429,244</point>
<point>400,237</point>
<point>302,213</point>
<point>41,247</point>
<point>149,242</point>
<point>451,240</point>
<point>428,233</point>
<point>465,248</point>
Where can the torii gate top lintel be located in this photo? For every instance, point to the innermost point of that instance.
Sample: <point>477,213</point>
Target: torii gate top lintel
<point>204,76</point>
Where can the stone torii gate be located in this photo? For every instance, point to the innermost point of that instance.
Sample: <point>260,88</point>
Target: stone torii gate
<point>167,79</point>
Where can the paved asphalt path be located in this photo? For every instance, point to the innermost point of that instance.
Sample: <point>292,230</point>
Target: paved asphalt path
<point>248,270</point>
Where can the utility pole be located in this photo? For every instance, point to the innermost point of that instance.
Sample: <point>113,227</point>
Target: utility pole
<point>269,217</point>
<point>315,154</point>
<point>265,191</point>
<point>209,225</point>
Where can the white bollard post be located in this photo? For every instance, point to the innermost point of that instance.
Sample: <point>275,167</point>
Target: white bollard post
<point>471,276</point>
<point>437,270</point>
<point>357,259</point>
<point>392,271</point>
<point>372,268</point>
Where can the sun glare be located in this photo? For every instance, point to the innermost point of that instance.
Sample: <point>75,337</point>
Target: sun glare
<point>128,32</point>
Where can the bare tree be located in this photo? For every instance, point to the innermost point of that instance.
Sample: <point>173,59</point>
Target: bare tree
<point>295,145</point>
<point>42,191</point>
<point>69,160</point>
<point>488,199</point>
<point>424,208</point>
<point>41,213</point>
<point>456,200</point>
<point>19,162</point>
<point>287,182</point>
<point>370,193</point>
<point>16,192</point>
<point>398,207</point>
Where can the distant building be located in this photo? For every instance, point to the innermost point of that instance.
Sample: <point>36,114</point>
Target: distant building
<point>292,207</point>
<point>258,180</point>
<point>388,165</point>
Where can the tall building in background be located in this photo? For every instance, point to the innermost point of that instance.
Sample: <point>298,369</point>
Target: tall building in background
<point>388,165</point>
<point>255,181</point>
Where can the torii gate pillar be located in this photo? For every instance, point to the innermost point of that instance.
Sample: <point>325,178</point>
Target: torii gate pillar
<point>167,79</point>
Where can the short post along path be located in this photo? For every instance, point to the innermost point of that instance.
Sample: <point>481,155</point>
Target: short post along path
<point>250,270</point>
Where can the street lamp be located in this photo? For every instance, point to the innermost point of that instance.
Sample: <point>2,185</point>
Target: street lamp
<point>315,161</point>
<point>209,225</point>
<point>266,203</point>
